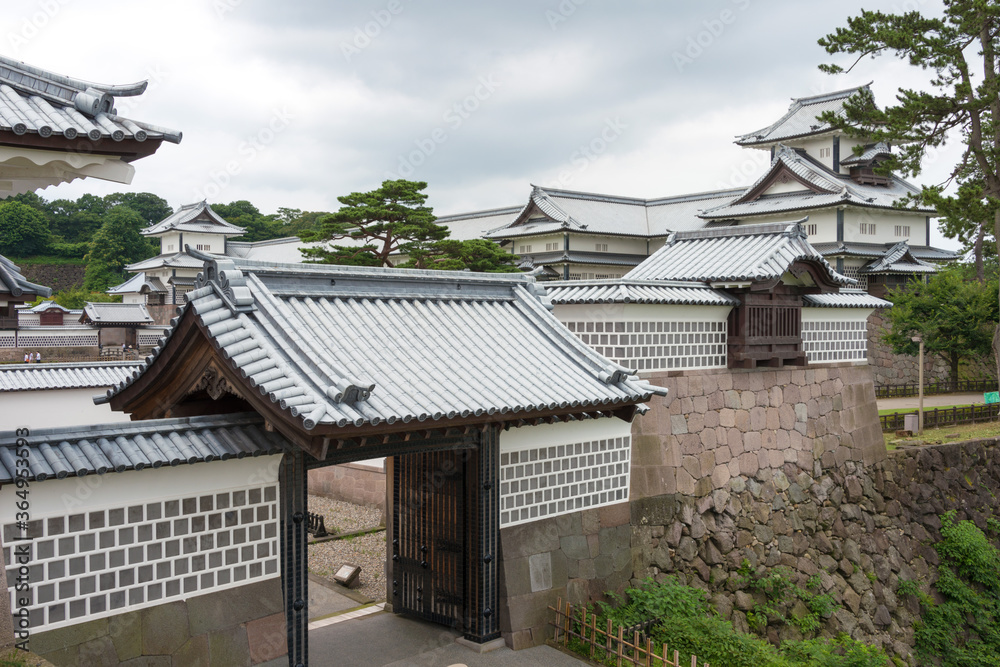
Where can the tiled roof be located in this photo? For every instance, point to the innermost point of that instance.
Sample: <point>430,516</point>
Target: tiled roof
<point>351,346</point>
<point>876,250</point>
<point>16,285</point>
<point>846,298</point>
<point>551,211</point>
<point>173,260</point>
<point>116,313</point>
<point>898,259</point>
<point>198,217</point>
<point>32,377</point>
<point>102,448</point>
<point>138,284</point>
<point>474,225</point>
<point>35,101</point>
<point>748,253</point>
<point>830,189</point>
<point>624,291</point>
<point>583,257</point>
<point>46,305</point>
<point>870,153</point>
<point>800,119</point>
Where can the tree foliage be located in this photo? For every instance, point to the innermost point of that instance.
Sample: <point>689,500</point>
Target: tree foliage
<point>116,244</point>
<point>480,255</point>
<point>954,315</point>
<point>23,230</point>
<point>959,51</point>
<point>387,221</point>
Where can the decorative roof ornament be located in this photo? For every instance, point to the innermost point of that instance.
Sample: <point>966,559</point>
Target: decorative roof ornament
<point>227,281</point>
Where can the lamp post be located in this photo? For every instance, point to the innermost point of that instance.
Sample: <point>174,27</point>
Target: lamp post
<point>920,380</point>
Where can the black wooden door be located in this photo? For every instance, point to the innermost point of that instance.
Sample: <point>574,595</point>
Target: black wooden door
<point>428,536</point>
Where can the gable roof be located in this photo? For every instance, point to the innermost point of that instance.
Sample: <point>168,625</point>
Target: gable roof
<point>198,217</point>
<point>550,211</point>
<point>47,305</point>
<point>14,285</point>
<point>801,118</point>
<point>870,153</point>
<point>744,254</point>
<point>845,298</point>
<point>171,260</point>
<point>138,284</point>
<point>102,448</point>
<point>898,259</point>
<point>111,314</point>
<point>821,188</point>
<point>335,348</point>
<point>877,250</point>
<point>34,377</point>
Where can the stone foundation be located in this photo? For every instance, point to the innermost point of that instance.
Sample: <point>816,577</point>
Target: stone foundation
<point>575,556</point>
<point>860,529</point>
<point>350,482</point>
<point>239,626</point>
<point>891,369</point>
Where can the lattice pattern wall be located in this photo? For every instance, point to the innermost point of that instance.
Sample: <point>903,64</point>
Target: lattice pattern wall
<point>148,339</point>
<point>855,272</point>
<point>835,340</point>
<point>96,564</point>
<point>8,340</point>
<point>85,338</point>
<point>558,479</point>
<point>648,346</point>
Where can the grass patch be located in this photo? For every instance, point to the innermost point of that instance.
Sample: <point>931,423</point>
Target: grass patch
<point>946,434</point>
<point>895,411</point>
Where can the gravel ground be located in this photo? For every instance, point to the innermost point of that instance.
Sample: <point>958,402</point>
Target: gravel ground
<point>368,551</point>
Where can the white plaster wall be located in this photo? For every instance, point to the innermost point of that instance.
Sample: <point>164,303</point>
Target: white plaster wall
<point>836,314</point>
<point>537,244</point>
<point>563,433</point>
<point>885,224</point>
<point>627,245</point>
<point>639,312</point>
<point>55,408</point>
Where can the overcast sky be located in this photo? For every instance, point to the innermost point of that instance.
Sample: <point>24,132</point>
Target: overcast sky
<point>294,103</point>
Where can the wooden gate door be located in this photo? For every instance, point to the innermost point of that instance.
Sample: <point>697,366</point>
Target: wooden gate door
<point>428,536</point>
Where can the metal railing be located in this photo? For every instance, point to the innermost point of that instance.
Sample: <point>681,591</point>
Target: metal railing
<point>945,387</point>
<point>938,417</point>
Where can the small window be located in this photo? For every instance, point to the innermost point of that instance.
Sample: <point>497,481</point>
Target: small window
<point>601,247</point>
<point>902,230</point>
<point>204,246</point>
<point>811,230</point>
<point>549,247</point>
<point>868,228</point>
<point>824,152</point>
<point>170,247</point>
<point>523,249</point>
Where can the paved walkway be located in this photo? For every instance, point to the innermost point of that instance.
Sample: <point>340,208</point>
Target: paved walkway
<point>937,400</point>
<point>356,635</point>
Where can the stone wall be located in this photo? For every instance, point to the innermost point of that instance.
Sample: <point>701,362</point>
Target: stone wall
<point>350,482</point>
<point>717,425</point>
<point>860,529</point>
<point>239,626</point>
<point>57,276</point>
<point>575,556</point>
<point>889,368</point>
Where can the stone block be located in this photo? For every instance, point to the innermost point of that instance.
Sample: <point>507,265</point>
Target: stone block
<point>748,399</point>
<point>530,538</point>
<point>686,483</point>
<point>267,638</point>
<point>758,418</point>
<point>732,399</point>
<point>196,652</point>
<point>229,648</point>
<point>708,440</point>
<point>748,465</point>
<point>720,477</point>
<point>575,546</point>
<point>678,424</point>
<point>72,636</point>
<point>614,515</point>
<point>727,417</point>
<point>165,628</point>
<point>125,630</point>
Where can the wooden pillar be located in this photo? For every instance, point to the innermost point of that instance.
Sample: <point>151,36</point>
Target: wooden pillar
<point>483,530</point>
<point>295,556</point>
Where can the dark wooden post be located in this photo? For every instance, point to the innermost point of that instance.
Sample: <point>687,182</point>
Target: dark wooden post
<point>295,556</point>
<point>483,530</point>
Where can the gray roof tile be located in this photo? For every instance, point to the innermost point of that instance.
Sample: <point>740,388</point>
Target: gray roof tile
<point>342,345</point>
<point>801,118</point>
<point>198,217</point>
<point>16,285</point>
<point>32,377</point>
<point>36,101</point>
<point>748,253</point>
<point>624,291</point>
<point>116,313</point>
<point>846,298</point>
<point>103,448</point>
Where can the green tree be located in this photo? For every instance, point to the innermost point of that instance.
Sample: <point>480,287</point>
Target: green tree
<point>967,216</point>
<point>77,221</point>
<point>24,230</point>
<point>116,244</point>
<point>955,316</point>
<point>259,227</point>
<point>959,52</point>
<point>390,220</point>
<point>151,207</point>
<point>479,255</point>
